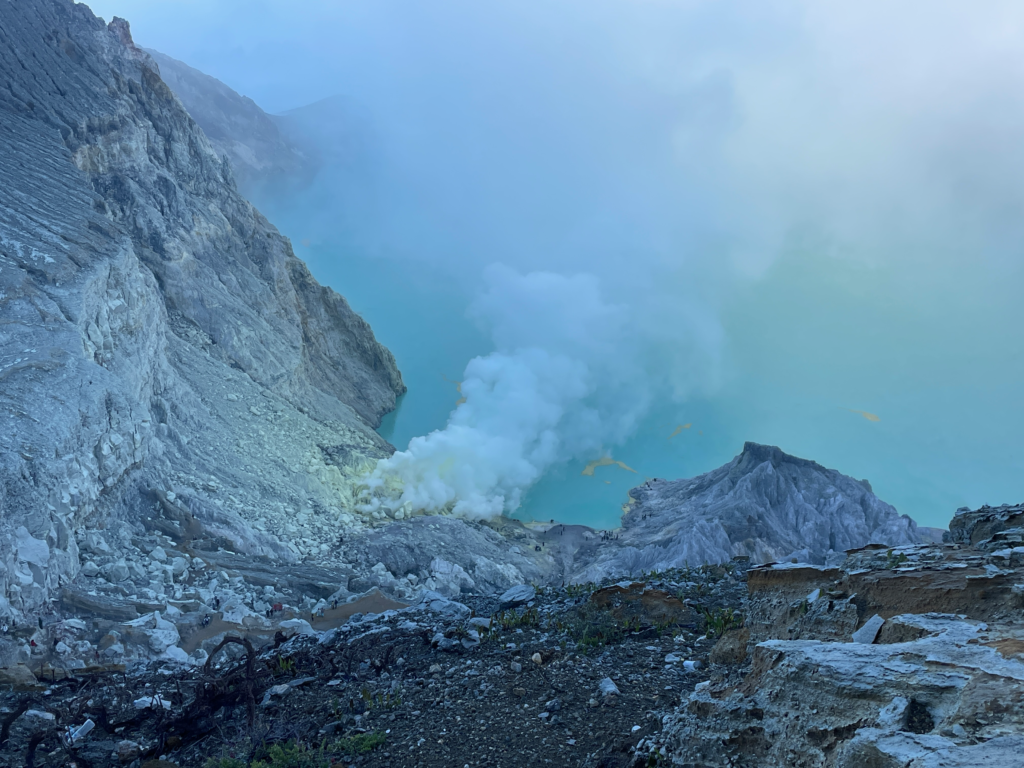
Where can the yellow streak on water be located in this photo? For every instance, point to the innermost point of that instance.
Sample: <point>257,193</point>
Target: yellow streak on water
<point>458,388</point>
<point>865,414</point>
<point>605,461</point>
<point>679,429</point>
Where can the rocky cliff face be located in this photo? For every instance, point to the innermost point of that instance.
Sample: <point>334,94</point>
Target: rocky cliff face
<point>906,657</point>
<point>764,504</point>
<point>168,368</point>
<point>237,128</point>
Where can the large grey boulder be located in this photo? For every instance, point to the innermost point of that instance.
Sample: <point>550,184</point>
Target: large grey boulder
<point>764,504</point>
<point>516,596</point>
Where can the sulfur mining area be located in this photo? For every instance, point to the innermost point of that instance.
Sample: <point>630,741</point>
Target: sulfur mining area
<point>190,574</point>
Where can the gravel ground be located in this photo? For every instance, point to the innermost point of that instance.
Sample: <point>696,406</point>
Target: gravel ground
<point>439,684</point>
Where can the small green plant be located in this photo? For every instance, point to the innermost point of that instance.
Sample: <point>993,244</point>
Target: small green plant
<point>297,754</point>
<point>387,700</point>
<point>894,560</point>
<point>718,622</point>
<point>580,590</point>
<point>359,744</point>
<point>293,754</point>
<point>513,619</point>
<point>284,666</point>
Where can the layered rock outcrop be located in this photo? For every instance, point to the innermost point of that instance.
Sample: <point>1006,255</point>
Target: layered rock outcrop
<point>764,504</point>
<point>901,657</point>
<point>171,375</point>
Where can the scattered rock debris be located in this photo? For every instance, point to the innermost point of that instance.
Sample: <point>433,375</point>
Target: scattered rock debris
<point>562,679</point>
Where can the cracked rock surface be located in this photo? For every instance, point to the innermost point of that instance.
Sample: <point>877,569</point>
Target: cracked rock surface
<point>939,681</point>
<point>167,366</point>
<point>764,504</point>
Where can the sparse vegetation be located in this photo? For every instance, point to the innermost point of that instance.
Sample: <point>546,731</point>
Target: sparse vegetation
<point>718,622</point>
<point>894,560</point>
<point>284,666</point>
<point>298,754</point>
<point>386,700</point>
<point>515,619</point>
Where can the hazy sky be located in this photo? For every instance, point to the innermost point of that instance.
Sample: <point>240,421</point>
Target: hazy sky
<point>688,161</point>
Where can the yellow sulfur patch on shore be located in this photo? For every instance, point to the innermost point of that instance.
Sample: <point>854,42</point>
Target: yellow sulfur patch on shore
<point>679,429</point>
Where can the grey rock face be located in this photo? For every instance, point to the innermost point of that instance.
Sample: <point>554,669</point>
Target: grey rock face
<point>845,705</point>
<point>764,504</point>
<point>445,554</point>
<point>167,366</point>
<point>973,526</point>
<point>515,596</point>
<point>933,676</point>
<point>258,151</point>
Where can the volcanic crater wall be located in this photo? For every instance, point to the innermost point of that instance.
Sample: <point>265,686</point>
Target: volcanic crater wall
<point>159,340</point>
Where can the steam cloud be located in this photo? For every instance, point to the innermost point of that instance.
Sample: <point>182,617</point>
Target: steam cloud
<point>560,384</point>
<point>637,164</point>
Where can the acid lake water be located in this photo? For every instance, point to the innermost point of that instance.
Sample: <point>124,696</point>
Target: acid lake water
<point>915,388</point>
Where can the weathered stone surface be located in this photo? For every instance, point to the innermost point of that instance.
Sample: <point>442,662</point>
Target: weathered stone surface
<point>869,631</point>
<point>923,687</point>
<point>976,526</point>
<point>19,677</point>
<point>515,596</point>
<point>167,365</point>
<point>804,700</point>
<point>765,505</point>
<point>446,554</point>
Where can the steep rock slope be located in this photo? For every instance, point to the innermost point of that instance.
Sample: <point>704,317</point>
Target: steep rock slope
<point>236,127</point>
<point>165,360</point>
<point>764,504</point>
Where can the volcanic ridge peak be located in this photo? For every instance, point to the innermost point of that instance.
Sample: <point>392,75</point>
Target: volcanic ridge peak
<point>765,505</point>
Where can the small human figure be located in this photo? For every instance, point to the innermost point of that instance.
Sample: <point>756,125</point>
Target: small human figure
<point>216,603</point>
<point>206,620</point>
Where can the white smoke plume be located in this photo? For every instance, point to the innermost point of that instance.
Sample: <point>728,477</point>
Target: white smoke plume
<point>563,382</point>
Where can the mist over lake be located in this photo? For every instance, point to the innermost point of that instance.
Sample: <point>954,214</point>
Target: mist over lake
<point>662,229</point>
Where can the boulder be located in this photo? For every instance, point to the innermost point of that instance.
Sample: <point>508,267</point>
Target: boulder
<point>516,596</point>
<point>20,678</point>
